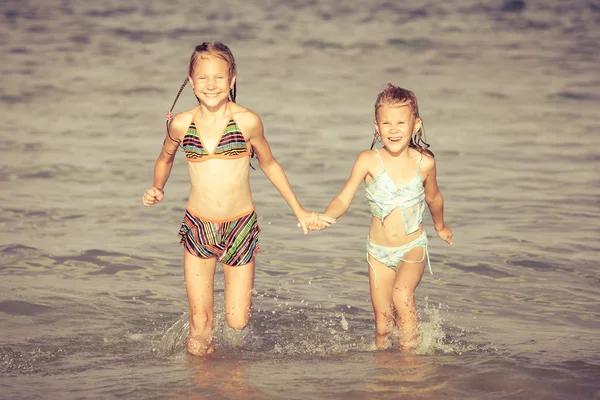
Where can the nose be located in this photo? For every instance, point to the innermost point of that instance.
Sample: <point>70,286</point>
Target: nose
<point>211,84</point>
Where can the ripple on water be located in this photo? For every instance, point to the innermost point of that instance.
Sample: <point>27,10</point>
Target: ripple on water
<point>28,361</point>
<point>24,260</point>
<point>17,307</point>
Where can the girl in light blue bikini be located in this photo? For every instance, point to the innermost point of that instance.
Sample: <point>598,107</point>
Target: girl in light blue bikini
<point>400,178</point>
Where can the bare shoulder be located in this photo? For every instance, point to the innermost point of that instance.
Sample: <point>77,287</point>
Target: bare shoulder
<point>428,162</point>
<point>366,157</point>
<point>247,119</point>
<point>180,123</point>
<point>366,164</point>
<point>367,161</point>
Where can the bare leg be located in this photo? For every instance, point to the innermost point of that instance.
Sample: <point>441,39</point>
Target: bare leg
<point>199,276</point>
<point>239,282</point>
<point>408,277</point>
<point>381,298</point>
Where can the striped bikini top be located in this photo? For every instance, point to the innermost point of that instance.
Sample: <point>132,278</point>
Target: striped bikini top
<point>384,196</point>
<point>231,143</point>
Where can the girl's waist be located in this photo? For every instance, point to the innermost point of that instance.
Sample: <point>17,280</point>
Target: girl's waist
<point>391,235</point>
<point>214,209</point>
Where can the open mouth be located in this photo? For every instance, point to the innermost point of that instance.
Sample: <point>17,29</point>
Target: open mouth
<point>396,139</point>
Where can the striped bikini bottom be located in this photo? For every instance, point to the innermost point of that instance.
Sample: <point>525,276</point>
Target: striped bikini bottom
<point>234,242</point>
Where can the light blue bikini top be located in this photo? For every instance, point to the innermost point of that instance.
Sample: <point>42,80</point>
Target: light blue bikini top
<point>384,196</point>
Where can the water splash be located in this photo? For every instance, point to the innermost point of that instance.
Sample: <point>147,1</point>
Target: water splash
<point>174,339</point>
<point>438,335</point>
<point>315,331</point>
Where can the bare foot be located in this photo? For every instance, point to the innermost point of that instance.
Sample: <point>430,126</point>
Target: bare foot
<point>407,343</point>
<point>383,341</point>
<point>200,346</point>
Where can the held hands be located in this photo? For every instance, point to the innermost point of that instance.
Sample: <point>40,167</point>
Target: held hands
<point>314,221</point>
<point>445,234</point>
<point>152,196</point>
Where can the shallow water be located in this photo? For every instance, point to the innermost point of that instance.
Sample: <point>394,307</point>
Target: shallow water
<point>92,303</point>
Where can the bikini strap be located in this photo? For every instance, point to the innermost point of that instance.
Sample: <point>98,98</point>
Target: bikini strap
<point>380,159</point>
<point>419,164</point>
<point>230,112</point>
<point>194,118</point>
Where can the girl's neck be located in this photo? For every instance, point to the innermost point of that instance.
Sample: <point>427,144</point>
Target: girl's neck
<point>214,113</point>
<point>402,154</point>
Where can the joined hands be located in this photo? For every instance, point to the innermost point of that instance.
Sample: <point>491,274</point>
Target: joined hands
<point>315,222</point>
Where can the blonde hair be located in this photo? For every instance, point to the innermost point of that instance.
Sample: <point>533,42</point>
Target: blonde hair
<point>216,49</point>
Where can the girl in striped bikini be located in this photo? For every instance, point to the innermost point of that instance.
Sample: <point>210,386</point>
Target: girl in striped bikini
<point>218,138</point>
<point>400,179</point>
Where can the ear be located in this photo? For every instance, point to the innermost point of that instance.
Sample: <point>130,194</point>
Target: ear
<point>191,82</point>
<point>376,126</point>
<point>418,125</point>
<point>232,81</point>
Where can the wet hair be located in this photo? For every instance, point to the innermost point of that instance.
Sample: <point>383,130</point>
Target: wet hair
<point>216,49</point>
<point>397,96</point>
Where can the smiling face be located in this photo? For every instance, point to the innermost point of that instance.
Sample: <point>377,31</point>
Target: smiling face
<point>211,80</point>
<point>396,123</point>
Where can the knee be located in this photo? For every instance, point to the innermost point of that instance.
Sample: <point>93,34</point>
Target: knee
<point>237,322</point>
<point>200,320</point>
<point>403,298</point>
<point>238,318</point>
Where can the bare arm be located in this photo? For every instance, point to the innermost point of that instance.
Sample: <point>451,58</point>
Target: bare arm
<point>435,202</point>
<point>164,163</point>
<point>340,204</point>
<point>271,168</point>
